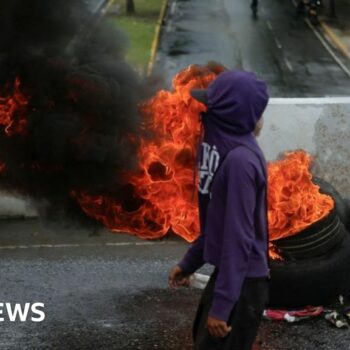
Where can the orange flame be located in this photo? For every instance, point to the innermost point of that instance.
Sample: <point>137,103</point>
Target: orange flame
<point>295,202</point>
<point>2,167</point>
<point>165,182</point>
<point>162,195</point>
<point>12,111</point>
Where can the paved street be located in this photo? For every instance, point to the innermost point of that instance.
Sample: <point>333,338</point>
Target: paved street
<point>100,292</point>
<point>285,51</point>
<point>109,291</point>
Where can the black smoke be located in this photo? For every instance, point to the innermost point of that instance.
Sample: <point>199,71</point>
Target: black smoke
<point>82,119</point>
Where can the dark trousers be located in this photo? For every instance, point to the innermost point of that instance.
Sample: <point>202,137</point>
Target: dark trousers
<point>244,318</point>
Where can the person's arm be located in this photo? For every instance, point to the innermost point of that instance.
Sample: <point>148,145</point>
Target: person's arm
<point>238,235</point>
<point>193,259</point>
<point>179,275</point>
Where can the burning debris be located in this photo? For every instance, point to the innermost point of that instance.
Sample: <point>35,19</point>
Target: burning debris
<point>294,200</point>
<point>68,104</point>
<point>70,131</point>
<point>162,195</point>
<point>10,106</point>
<point>71,128</point>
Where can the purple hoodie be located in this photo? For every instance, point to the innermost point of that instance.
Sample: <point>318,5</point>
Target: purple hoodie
<point>233,204</point>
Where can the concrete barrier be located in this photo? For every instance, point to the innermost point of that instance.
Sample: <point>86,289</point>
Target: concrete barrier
<point>13,207</point>
<point>320,126</point>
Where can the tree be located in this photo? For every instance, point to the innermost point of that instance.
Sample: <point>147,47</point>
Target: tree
<point>130,6</point>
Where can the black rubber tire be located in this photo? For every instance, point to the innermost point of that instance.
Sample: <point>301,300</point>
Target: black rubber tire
<point>347,210</point>
<point>317,281</point>
<point>314,241</point>
<point>320,237</point>
<point>340,205</point>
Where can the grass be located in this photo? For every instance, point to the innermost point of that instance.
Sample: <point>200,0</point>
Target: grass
<point>140,29</point>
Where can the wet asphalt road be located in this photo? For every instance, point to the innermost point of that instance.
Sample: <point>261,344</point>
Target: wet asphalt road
<point>280,48</point>
<point>100,292</point>
<point>109,291</point>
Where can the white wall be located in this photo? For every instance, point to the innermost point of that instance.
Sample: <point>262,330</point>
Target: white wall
<point>320,126</point>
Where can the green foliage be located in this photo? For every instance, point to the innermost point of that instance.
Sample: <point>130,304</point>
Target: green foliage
<point>140,29</point>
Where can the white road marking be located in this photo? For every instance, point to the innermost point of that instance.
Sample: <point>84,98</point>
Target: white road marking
<point>278,44</point>
<point>269,25</point>
<point>288,64</point>
<point>76,245</point>
<point>309,101</point>
<point>173,8</point>
<point>169,28</point>
<point>328,48</point>
<point>169,25</point>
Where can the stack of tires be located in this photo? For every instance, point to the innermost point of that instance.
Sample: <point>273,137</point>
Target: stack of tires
<point>316,265</point>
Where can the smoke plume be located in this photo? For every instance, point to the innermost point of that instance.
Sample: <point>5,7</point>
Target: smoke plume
<point>68,103</point>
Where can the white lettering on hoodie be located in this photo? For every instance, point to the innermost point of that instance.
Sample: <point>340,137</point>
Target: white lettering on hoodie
<point>208,164</point>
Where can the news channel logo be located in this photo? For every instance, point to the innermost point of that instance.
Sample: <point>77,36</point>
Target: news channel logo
<point>14,312</point>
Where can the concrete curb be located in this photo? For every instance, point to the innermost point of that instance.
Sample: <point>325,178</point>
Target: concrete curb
<point>334,38</point>
<point>155,43</point>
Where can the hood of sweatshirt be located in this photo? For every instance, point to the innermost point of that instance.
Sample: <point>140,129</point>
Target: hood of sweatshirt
<point>236,101</point>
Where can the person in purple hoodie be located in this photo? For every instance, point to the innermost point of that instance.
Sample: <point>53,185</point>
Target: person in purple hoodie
<point>233,215</point>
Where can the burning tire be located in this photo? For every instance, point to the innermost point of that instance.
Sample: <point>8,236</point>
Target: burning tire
<point>316,265</point>
<point>347,207</point>
<point>322,236</point>
<point>343,209</point>
<point>314,241</point>
<point>316,281</point>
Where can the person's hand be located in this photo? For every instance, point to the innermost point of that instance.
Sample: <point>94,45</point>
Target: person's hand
<point>217,328</point>
<point>178,278</point>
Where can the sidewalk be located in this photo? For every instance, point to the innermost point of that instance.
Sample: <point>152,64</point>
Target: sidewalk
<point>337,29</point>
